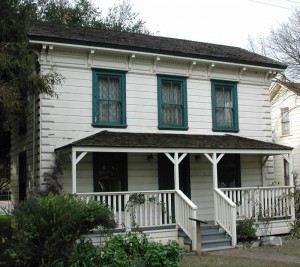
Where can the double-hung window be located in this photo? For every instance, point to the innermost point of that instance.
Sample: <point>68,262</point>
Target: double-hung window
<point>224,106</point>
<point>109,107</point>
<point>172,102</point>
<point>285,121</point>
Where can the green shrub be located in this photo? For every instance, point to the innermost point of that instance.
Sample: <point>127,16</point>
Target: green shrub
<point>47,227</point>
<point>5,236</point>
<point>136,250</point>
<point>246,230</point>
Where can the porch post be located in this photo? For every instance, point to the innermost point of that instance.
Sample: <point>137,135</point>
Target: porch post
<point>74,190</point>
<point>176,171</point>
<point>291,169</point>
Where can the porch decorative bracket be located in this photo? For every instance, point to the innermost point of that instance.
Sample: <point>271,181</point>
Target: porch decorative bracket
<point>80,157</point>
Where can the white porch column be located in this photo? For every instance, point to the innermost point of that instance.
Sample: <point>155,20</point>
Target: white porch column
<point>176,161</point>
<point>74,175</point>
<point>75,160</point>
<point>214,160</point>
<point>176,171</point>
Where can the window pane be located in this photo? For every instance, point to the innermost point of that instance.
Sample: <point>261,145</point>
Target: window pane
<point>228,97</point>
<point>103,85</point>
<point>114,111</point>
<point>103,110</point>
<point>224,107</point>
<point>219,97</point>
<point>176,93</point>
<point>114,89</point>
<point>172,100</point>
<point>109,99</point>
<point>285,121</point>
<point>166,92</point>
<point>228,117</point>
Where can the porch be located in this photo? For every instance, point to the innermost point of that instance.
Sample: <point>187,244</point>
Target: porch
<point>146,201</point>
<point>271,208</point>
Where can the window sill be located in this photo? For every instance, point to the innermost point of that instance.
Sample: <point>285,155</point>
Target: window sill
<point>226,130</point>
<point>173,128</point>
<point>95,125</point>
<point>285,135</point>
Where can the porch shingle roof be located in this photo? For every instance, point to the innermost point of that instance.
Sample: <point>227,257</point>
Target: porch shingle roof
<point>188,141</point>
<point>60,33</point>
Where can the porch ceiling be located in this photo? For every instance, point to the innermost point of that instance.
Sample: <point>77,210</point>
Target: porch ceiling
<point>156,142</point>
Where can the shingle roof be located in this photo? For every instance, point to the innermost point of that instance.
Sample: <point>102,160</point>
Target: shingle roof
<point>43,31</point>
<point>187,141</point>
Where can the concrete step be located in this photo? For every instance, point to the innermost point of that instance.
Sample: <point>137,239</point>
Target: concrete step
<point>216,243</point>
<point>216,248</point>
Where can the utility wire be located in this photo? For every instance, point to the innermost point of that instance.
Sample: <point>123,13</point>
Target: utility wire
<point>269,4</point>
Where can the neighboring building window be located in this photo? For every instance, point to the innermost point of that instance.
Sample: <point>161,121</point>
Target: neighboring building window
<point>172,102</point>
<point>286,173</point>
<point>285,121</point>
<point>109,107</point>
<point>224,106</point>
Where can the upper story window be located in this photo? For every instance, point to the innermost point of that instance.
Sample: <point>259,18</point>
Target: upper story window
<point>109,102</point>
<point>285,121</point>
<point>172,102</point>
<point>224,106</point>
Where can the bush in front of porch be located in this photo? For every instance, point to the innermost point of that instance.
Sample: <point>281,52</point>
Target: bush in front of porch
<point>246,230</point>
<point>46,228</point>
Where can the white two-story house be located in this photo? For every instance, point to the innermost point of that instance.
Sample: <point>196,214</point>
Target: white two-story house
<point>186,125</point>
<point>285,113</point>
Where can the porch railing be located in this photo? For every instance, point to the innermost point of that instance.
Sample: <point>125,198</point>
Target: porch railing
<point>225,214</point>
<point>274,202</point>
<point>186,209</point>
<point>138,209</point>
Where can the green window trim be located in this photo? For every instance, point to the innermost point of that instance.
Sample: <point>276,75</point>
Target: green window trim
<point>173,105</point>
<point>118,102</point>
<point>233,108</point>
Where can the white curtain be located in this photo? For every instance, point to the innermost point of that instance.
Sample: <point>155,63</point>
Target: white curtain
<point>171,103</point>
<point>109,105</point>
<point>224,107</point>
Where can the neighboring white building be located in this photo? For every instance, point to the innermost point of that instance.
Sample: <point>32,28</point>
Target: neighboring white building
<point>184,123</point>
<point>285,112</point>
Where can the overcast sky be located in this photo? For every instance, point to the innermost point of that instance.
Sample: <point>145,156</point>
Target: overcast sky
<point>227,22</point>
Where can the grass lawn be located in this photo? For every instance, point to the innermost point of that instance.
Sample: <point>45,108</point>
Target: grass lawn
<point>291,248</point>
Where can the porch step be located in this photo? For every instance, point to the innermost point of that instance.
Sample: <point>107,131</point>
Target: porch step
<point>214,238</point>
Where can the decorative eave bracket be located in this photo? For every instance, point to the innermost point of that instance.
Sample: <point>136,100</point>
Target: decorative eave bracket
<point>191,67</point>
<point>209,69</point>
<point>269,76</point>
<point>49,53</point>
<point>241,72</point>
<point>90,57</point>
<point>131,61</point>
<point>154,66</point>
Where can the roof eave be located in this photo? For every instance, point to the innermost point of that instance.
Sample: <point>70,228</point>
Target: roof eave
<point>149,51</point>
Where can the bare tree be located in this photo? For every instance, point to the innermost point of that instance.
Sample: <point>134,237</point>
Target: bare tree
<point>282,44</point>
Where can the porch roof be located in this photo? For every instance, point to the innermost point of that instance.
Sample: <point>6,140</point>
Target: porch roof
<point>107,139</point>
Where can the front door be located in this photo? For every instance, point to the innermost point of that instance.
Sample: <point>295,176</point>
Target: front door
<point>166,174</point>
<point>110,172</point>
<point>229,171</point>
